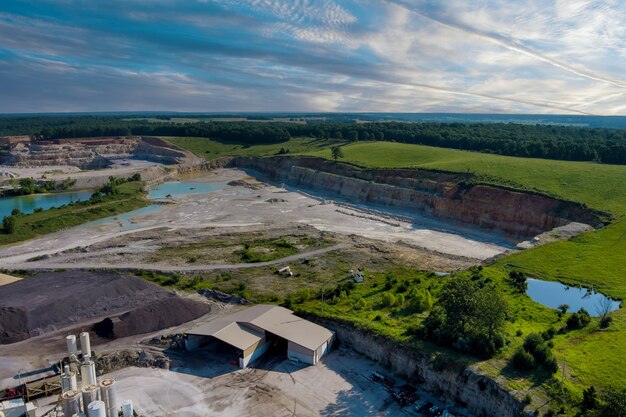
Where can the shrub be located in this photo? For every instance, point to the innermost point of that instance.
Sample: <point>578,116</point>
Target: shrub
<point>361,304</point>
<point>605,322</point>
<point>523,360</point>
<point>590,399</point>
<point>532,341</point>
<point>518,280</point>
<point>578,320</point>
<point>389,299</point>
<point>400,300</point>
<point>9,224</point>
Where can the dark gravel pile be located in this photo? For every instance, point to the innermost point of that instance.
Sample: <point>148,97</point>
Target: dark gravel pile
<point>52,300</point>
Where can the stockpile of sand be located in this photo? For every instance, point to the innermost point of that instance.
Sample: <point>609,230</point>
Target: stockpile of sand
<point>53,300</point>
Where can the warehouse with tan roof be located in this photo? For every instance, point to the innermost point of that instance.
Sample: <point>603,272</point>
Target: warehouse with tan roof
<point>253,330</point>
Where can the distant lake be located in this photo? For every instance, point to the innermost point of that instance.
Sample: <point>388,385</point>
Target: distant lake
<point>553,294</point>
<point>28,203</point>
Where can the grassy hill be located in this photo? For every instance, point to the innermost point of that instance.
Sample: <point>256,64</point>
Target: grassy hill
<point>599,186</point>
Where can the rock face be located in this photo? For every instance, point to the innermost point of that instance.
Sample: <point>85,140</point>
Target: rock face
<point>92,153</point>
<point>517,215</point>
<point>449,381</point>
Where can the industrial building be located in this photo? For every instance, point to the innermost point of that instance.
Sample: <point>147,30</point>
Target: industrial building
<point>253,330</point>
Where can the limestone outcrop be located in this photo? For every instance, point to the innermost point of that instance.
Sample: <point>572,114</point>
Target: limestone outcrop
<point>455,197</point>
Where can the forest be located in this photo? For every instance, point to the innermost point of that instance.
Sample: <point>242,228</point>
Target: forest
<point>602,145</point>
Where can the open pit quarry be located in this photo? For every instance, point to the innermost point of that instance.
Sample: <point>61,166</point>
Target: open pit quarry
<point>430,220</point>
<point>90,153</point>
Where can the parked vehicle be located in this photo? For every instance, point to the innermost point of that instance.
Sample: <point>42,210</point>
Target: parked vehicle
<point>383,379</point>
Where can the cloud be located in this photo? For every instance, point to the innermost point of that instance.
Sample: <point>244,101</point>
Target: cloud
<point>314,55</point>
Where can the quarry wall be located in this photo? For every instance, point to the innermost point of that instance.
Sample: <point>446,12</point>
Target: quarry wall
<point>515,214</point>
<point>449,381</point>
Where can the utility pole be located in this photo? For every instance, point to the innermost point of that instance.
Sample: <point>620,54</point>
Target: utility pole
<point>564,365</point>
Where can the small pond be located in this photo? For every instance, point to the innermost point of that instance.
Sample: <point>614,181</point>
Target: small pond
<point>180,189</point>
<point>553,294</point>
<point>28,203</point>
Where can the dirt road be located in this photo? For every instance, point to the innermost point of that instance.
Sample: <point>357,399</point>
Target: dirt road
<point>170,268</point>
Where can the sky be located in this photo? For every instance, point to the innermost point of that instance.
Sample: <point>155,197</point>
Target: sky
<point>478,56</point>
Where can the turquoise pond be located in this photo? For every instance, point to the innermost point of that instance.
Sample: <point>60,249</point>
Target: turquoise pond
<point>177,189</point>
<point>28,203</point>
<point>553,294</point>
<point>180,189</point>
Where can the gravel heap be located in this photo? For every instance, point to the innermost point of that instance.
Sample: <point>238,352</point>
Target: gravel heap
<point>53,300</point>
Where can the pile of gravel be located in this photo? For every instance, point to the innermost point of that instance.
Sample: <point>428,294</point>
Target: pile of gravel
<point>52,300</point>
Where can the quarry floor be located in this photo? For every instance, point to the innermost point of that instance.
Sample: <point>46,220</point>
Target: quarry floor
<point>253,205</point>
<point>339,385</point>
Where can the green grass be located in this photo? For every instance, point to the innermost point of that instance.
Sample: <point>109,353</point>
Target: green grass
<point>597,258</point>
<point>130,197</point>
<point>599,186</point>
<point>213,149</point>
<point>243,250</point>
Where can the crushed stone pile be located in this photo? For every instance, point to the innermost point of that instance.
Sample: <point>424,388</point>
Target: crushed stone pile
<point>53,300</point>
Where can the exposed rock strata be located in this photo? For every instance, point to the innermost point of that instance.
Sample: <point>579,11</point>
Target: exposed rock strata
<point>451,381</point>
<point>517,215</point>
<point>92,153</point>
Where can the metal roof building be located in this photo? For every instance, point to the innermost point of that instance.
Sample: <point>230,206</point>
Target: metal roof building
<point>252,330</point>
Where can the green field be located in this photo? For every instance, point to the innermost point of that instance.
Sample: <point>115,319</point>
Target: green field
<point>129,197</point>
<point>600,186</point>
<point>212,149</point>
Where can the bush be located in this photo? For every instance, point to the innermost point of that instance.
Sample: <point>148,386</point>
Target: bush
<point>518,280</point>
<point>361,304</point>
<point>389,299</point>
<point>605,322</point>
<point>578,320</point>
<point>400,300</point>
<point>9,224</point>
<point>590,399</point>
<point>523,360</point>
<point>532,341</point>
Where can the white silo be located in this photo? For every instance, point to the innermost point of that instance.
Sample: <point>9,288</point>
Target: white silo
<point>71,403</point>
<point>96,409</point>
<point>127,408</point>
<point>68,380</point>
<point>85,344</point>
<point>72,349</point>
<point>88,373</point>
<point>90,394</point>
<point>109,396</point>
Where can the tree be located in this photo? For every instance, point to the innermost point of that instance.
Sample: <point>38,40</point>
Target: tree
<point>518,280</point>
<point>9,224</point>
<point>469,317</point>
<point>562,309</point>
<point>590,398</point>
<point>612,403</point>
<point>604,309</point>
<point>336,152</point>
<point>493,311</point>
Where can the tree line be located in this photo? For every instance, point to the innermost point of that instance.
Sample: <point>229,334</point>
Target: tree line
<point>569,143</point>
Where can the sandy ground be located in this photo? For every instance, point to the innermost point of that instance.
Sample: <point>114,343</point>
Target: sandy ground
<point>7,279</point>
<point>339,385</point>
<point>234,207</point>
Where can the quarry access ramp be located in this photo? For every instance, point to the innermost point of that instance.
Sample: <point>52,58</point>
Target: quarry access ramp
<point>44,265</point>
